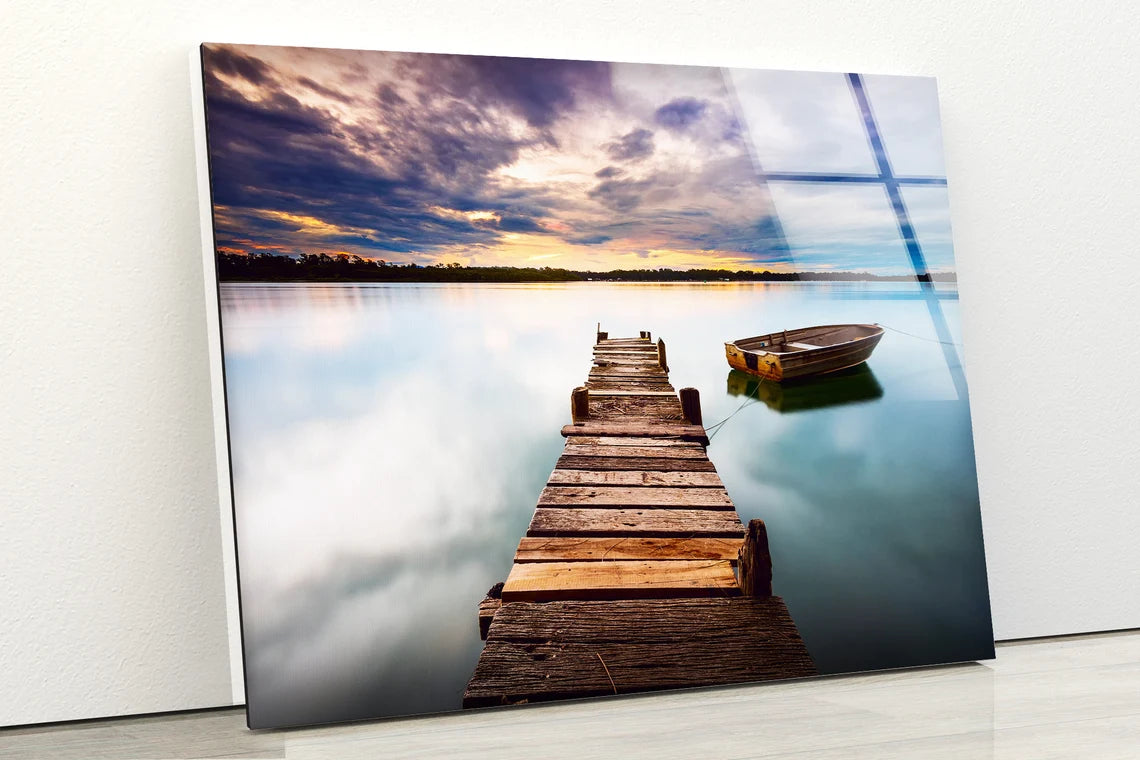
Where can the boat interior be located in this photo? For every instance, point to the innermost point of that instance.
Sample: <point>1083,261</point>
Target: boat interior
<point>805,339</point>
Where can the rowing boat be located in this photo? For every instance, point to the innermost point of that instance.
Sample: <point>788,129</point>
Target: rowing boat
<point>808,351</point>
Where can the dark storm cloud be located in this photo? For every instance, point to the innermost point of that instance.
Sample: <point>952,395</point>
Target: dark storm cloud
<point>392,178</point>
<point>632,146</point>
<point>608,172</point>
<point>680,114</point>
<point>219,59</point>
<point>538,89</point>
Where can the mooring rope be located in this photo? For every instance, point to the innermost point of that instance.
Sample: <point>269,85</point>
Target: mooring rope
<point>920,337</point>
<point>714,428</point>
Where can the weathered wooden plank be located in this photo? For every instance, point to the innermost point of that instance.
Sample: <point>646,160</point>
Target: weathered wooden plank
<point>603,440</point>
<point>632,393</point>
<point>623,430</point>
<point>487,609</point>
<point>557,650</point>
<point>625,351</point>
<point>623,361</point>
<point>635,496</point>
<point>629,385</point>
<point>659,407</point>
<point>573,447</point>
<point>647,523</point>
<point>629,374</point>
<point>634,478</point>
<point>604,366</point>
<point>599,549</point>
<point>660,464</point>
<point>620,579</point>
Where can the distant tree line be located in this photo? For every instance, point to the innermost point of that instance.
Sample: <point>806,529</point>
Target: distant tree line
<point>321,267</point>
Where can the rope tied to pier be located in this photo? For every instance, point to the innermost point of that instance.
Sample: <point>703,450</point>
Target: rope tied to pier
<point>714,428</point>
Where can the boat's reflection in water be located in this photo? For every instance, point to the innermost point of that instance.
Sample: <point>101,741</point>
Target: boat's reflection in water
<point>847,386</point>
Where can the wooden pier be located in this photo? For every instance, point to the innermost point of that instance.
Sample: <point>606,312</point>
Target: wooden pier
<point>636,573</point>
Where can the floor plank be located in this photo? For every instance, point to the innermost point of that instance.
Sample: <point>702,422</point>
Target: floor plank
<point>647,523</point>
<point>635,478</point>
<point>609,548</point>
<point>618,579</point>
<point>578,649</point>
<point>635,496</point>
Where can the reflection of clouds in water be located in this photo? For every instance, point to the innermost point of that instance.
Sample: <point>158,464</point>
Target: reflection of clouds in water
<point>330,646</point>
<point>318,318</point>
<point>383,481</point>
<point>875,529</point>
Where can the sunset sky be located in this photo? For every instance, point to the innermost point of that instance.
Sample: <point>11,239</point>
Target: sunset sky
<point>584,165</point>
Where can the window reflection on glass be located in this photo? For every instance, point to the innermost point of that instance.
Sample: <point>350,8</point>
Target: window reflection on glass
<point>906,112</point>
<point>929,211</point>
<point>844,228</point>
<point>802,122</point>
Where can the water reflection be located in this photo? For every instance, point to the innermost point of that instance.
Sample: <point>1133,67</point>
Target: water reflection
<point>389,443</point>
<point>847,386</point>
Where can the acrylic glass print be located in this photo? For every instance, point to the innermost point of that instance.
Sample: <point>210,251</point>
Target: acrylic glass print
<point>551,379</point>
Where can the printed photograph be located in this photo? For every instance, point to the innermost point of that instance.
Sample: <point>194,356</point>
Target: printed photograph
<point>549,379</point>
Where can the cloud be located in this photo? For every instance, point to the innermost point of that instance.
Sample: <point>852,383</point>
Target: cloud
<point>632,146</point>
<point>620,194</point>
<point>680,114</point>
<point>417,157</point>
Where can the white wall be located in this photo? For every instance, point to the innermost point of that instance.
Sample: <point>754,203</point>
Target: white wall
<point>111,566</point>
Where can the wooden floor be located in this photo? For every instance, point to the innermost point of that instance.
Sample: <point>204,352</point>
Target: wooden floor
<point>628,577</point>
<point>1076,697</point>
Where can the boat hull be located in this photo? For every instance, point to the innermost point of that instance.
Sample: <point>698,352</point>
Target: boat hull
<point>781,357</point>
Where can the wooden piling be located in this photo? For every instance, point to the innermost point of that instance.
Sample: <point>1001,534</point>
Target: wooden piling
<point>580,404</point>
<point>691,405</point>
<point>755,561</point>
<point>632,575</point>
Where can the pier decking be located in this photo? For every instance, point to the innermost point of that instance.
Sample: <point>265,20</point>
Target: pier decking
<point>636,573</point>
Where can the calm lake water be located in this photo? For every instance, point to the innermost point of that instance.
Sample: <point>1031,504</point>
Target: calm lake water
<point>389,443</point>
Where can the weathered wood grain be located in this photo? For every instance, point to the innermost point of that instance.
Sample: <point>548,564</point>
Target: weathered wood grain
<point>643,522</point>
<point>623,430</point>
<point>629,385</point>
<point>631,369</point>
<point>538,652</point>
<point>634,478</point>
<point>655,408</point>
<point>575,448</point>
<point>599,549</point>
<point>664,464</point>
<point>619,579</point>
<point>603,440</point>
<point>632,393</point>
<point>756,561</point>
<point>631,496</point>
<point>487,609</point>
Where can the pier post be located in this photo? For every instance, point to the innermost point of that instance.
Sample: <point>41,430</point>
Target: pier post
<point>691,405</point>
<point>661,355</point>
<point>755,561</point>
<point>580,404</point>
